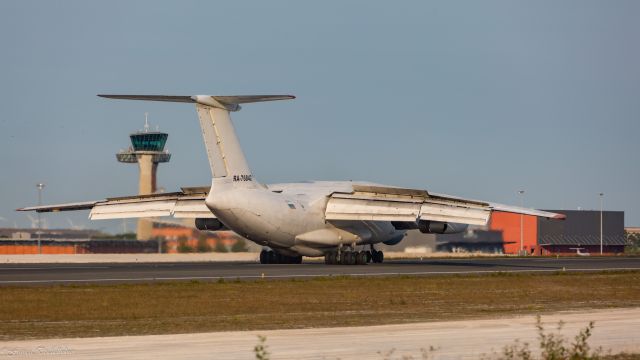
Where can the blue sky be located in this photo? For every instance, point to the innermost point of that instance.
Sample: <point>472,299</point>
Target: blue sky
<point>476,99</point>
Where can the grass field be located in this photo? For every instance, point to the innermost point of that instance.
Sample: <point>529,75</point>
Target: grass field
<point>181,307</point>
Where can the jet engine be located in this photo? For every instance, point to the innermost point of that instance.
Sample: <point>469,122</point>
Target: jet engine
<point>439,227</point>
<point>394,241</point>
<point>208,224</point>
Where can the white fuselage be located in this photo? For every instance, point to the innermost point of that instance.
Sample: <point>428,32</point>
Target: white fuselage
<point>290,217</point>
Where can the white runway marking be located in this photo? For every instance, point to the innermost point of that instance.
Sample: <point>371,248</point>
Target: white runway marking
<point>266,276</point>
<point>55,267</point>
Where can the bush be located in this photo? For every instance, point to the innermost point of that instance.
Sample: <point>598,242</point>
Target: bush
<point>553,346</point>
<point>261,349</point>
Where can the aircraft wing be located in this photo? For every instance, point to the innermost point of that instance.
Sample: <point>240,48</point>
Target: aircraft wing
<point>188,203</point>
<point>380,203</point>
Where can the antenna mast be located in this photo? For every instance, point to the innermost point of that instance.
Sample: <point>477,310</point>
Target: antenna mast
<point>146,122</point>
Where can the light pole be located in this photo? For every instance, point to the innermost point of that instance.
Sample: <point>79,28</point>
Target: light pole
<point>521,192</point>
<point>601,205</point>
<point>40,186</point>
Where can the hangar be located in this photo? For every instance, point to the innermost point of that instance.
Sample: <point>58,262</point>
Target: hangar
<point>579,233</point>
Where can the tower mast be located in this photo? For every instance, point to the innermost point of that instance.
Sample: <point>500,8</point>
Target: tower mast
<point>147,150</point>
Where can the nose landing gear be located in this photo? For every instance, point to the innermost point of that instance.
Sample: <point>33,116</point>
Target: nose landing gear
<point>272,257</point>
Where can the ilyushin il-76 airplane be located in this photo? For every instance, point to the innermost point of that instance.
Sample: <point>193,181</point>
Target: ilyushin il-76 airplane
<point>340,220</point>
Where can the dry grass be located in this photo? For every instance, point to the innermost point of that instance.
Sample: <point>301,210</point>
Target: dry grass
<point>179,307</point>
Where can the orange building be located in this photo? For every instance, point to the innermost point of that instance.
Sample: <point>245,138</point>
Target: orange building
<point>178,238</point>
<point>510,225</point>
<point>31,247</point>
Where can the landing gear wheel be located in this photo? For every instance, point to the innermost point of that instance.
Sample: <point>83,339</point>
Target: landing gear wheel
<point>272,257</point>
<point>347,258</point>
<point>352,257</point>
<point>377,256</point>
<point>344,258</point>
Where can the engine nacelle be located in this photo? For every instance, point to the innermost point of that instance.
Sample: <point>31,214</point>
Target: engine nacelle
<point>394,241</point>
<point>439,227</point>
<point>208,224</point>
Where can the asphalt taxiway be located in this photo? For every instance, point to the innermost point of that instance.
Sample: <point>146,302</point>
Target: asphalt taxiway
<point>56,273</point>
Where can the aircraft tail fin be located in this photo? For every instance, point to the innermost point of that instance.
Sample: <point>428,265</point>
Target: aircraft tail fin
<point>224,152</point>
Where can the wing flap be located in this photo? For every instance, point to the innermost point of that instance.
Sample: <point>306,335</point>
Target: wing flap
<point>380,203</point>
<point>87,205</point>
<point>185,204</point>
<point>192,208</point>
<point>132,209</point>
<point>373,210</point>
<point>455,214</point>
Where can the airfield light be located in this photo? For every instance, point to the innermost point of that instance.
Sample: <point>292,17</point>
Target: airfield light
<point>601,206</point>
<point>40,187</point>
<point>521,192</point>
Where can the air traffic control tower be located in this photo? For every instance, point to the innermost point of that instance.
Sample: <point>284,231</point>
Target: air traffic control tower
<point>147,149</point>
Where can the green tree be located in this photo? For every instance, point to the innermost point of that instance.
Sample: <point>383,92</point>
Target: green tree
<point>203,245</point>
<point>633,243</point>
<point>239,246</point>
<point>183,246</point>
<point>107,236</point>
<point>220,247</point>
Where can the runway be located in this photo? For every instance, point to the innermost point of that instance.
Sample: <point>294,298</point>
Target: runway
<point>59,273</point>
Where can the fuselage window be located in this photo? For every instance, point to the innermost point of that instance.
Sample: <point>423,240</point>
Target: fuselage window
<point>291,206</point>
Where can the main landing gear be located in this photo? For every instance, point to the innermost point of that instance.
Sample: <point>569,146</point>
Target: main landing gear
<point>272,257</point>
<point>353,257</point>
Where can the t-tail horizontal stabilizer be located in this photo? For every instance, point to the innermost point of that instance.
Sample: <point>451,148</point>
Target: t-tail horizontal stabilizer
<point>230,103</point>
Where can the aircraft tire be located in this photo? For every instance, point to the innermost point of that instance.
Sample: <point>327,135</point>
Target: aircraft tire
<point>272,257</point>
<point>263,257</point>
<point>344,258</point>
<point>361,258</point>
<point>335,259</point>
<point>377,256</point>
<point>353,258</point>
<point>368,256</point>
